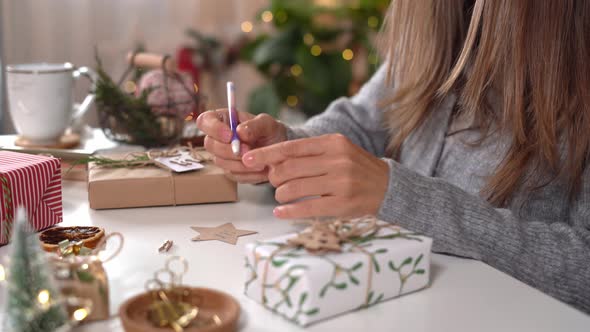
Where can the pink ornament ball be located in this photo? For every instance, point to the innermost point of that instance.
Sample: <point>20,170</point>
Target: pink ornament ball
<point>169,95</point>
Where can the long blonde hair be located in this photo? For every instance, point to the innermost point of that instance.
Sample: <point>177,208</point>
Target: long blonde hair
<point>534,54</point>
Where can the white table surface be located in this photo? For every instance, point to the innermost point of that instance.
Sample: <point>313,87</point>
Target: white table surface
<point>465,295</point>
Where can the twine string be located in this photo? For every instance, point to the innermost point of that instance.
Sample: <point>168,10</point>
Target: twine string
<point>344,230</point>
<point>102,246</point>
<point>148,158</point>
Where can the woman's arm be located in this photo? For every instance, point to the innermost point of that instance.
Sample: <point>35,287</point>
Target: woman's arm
<point>554,258</point>
<point>359,118</point>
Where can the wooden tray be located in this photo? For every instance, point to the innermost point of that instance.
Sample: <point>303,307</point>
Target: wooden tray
<point>134,311</point>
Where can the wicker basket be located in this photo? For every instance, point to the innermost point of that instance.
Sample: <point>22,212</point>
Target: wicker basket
<point>161,128</point>
<point>167,130</point>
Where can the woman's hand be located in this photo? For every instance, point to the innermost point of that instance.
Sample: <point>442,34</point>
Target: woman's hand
<point>337,177</point>
<point>253,131</point>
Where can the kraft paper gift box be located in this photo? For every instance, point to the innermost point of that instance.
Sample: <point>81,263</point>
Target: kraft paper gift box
<point>305,288</point>
<point>154,186</point>
<point>33,182</point>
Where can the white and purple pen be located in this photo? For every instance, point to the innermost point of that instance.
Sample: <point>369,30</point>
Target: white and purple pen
<point>233,118</point>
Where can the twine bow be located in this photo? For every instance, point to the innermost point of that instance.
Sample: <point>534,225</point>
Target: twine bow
<point>324,236</point>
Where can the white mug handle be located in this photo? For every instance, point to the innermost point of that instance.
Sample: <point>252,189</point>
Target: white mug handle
<point>91,75</point>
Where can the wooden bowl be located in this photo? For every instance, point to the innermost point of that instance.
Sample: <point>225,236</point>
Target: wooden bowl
<point>134,311</point>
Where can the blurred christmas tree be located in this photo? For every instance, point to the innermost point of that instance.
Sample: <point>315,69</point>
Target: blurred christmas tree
<point>31,304</point>
<point>313,53</point>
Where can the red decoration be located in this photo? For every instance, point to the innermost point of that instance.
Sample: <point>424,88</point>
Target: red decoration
<point>184,58</point>
<point>33,182</point>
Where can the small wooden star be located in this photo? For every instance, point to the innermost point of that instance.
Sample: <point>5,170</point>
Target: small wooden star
<point>227,233</point>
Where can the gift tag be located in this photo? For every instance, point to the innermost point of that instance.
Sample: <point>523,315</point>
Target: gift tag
<point>183,162</point>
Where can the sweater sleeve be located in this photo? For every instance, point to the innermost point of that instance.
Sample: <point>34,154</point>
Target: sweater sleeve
<point>553,257</point>
<point>359,118</point>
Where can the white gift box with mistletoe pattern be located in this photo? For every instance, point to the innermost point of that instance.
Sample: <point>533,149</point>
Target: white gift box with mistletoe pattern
<point>306,288</point>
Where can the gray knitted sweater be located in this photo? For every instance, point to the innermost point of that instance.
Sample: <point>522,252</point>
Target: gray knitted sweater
<point>541,238</point>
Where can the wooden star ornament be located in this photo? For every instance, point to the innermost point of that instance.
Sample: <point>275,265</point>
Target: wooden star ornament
<point>227,233</point>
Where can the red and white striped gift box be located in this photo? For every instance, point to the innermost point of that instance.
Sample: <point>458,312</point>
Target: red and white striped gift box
<point>33,182</point>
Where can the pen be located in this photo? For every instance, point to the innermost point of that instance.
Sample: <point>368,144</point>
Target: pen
<point>233,118</point>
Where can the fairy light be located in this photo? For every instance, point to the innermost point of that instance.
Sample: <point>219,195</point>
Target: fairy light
<point>43,297</point>
<point>296,70</point>
<point>246,26</point>
<point>316,50</point>
<point>347,54</point>
<point>373,59</point>
<point>266,16</point>
<point>308,39</point>
<point>2,273</point>
<point>326,3</point>
<point>281,16</point>
<point>80,314</point>
<point>292,101</point>
<point>373,22</point>
<point>84,266</point>
<point>129,87</point>
<point>196,87</point>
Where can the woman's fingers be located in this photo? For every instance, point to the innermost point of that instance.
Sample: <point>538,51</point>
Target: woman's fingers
<point>223,150</point>
<point>212,124</point>
<point>296,168</point>
<point>327,206</point>
<point>234,165</point>
<point>305,187</point>
<point>249,178</point>
<point>215,124</point>
<point>257,128</point>
<point>280,152</point>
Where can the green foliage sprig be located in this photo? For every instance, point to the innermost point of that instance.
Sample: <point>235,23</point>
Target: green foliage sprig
<point>298,75</point>
<point>132,114</point>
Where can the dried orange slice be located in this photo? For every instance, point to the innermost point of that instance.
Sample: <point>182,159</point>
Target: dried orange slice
<point>88,235</point>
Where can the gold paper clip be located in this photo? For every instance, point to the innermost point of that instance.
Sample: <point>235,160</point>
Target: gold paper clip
<point>165,247</point>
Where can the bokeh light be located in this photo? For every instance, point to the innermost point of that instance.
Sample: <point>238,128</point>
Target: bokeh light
<point>43,296</point>
<point>281,16</point>
<point>246,26</point>
<point>80,314</point>
<point>129,87</point>
<point>373,59</point>
<point>266,16</point>
<point>373,22</point>
<point>296,70</point>
<point>347,54</point>
<point>316,50</point>
<point>292,101</point>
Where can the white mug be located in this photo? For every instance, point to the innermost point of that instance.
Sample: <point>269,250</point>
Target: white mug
<point>40,99</point>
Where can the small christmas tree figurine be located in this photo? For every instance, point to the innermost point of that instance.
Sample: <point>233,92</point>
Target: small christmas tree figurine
<point>32,303</point>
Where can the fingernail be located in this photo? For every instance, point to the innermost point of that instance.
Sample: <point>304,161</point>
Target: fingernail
<point>248,159</point>
<point>278,211</point>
